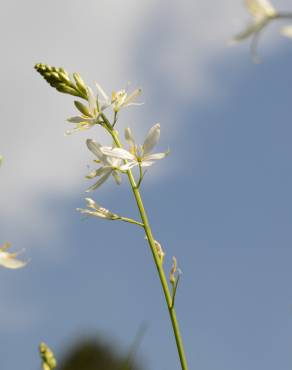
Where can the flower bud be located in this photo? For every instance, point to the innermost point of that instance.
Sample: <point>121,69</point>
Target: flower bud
<point>172,277</point>
<point>60,80</point>
<point>82,108</point>
<point>48,359</point>
<point>80,83</point>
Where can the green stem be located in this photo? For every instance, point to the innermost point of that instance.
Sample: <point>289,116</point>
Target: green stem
<point>131,221</point>
<point>162,277</point>
<point>174,291</point>
<point>284,15</point>
<point>141,176</point>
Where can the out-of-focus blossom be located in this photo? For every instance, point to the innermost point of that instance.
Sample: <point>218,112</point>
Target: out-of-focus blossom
<point>287,31</point>
<point>8,259</point>
<point>262,12</point>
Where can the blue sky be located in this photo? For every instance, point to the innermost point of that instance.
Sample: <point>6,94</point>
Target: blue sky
<point>221,202</point>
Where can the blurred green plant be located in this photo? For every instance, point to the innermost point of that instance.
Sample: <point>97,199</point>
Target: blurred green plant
<point>92,354</point>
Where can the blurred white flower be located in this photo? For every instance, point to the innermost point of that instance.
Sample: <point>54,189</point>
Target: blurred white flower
<point>9,260</point>
<point>262,12</point>
<point>119,99</point>
<point>97,211</point>
<point>260,8</point>
<point>137,155</point>
<point>287,31</point>
<point>109,166</point>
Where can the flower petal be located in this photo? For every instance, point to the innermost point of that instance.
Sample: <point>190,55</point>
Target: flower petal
<point>130,139</point>
<point>9,261</point>
<point>79,127</point>
<point>91,203</point>
<point>77,119</point>
<point>146,163</point>
<point>260,8</point>
<point>117,177</point>
<point>131,97</point>
<point>155,156</point>
<point>101,91</point>
<point>128,166</point>
<point>151,138</point>
<point>99,182</point>
<point>94,147</point>
<point>87,212</point>
<point>287,31</point>
<point>91,101</point>
<point>5,246</point>
<point>251,29</point>
<point>117,153</point>
<point>98,211</point>
<point>100,171</point>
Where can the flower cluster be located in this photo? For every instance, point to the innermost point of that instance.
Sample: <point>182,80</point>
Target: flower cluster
<point>114,161</point>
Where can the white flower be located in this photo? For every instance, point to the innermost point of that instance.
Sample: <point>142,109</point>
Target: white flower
<point>90,115</point>
<point>119,99</point>
<point>260,8</point>
<point>9,260</point>
<point>137,155</point>
<point>262,11</point>
<point>109,166</point>
<point>97,210</point>
<point>287,31</point>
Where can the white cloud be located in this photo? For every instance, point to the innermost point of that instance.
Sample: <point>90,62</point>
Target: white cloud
<point>100,40</point>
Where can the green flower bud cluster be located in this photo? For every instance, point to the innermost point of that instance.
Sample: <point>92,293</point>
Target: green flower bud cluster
<point>48,359</point>
<point>60,80</point>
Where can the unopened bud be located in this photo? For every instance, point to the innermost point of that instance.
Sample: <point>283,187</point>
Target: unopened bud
<point>172,277</point>
<point>159,249</point>
<point>82,108</point>
<point>60,80</point>
<point>48,359</point>
<point>80,83</point>
<point>62,87</point>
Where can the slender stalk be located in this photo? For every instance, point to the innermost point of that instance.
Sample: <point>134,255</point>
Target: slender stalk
<point>131,221</point>
<point>160,270</point>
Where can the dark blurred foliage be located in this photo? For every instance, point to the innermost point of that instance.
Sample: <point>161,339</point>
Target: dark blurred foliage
<point>91,354</point>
